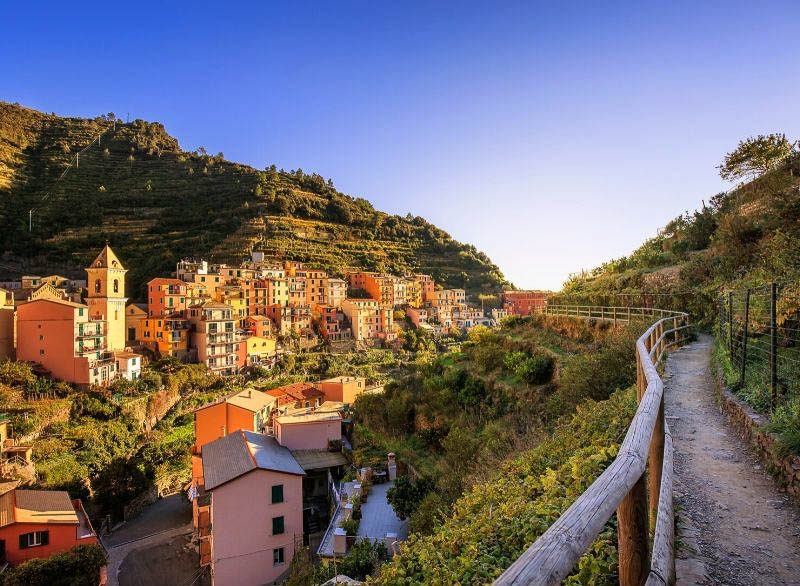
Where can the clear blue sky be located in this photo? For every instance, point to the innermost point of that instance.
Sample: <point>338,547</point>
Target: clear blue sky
<point>551,137</point>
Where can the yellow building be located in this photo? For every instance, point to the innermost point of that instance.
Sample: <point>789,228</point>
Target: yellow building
<point>260,349</point>
<point>168,335</point>
<point>106,295</point>
<point>134,313</point>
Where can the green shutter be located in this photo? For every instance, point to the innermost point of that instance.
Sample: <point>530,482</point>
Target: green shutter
<point>277,525</point>
<point>277,493</point>
<point>45,537</point>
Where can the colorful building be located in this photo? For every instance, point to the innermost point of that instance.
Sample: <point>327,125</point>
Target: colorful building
<point>106,296</point>
<point>256,509</point>
<point>343,389</point>
<point>524,303</point>
<point>7,325</point>
<point>364,316</point>
<point>309,430</point>
<point>213,336</point>
<point>165,297</point>
<point>247,410</point>
<point>40,523</point>
<point>60,336</point>
<point>134,314</point>
<point>336,291</point>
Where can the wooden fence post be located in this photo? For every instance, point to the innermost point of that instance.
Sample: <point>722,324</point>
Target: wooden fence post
<point>632,536</point>
<point>655,462</point>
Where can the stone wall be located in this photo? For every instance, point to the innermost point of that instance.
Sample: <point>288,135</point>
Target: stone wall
<point>750,426</point>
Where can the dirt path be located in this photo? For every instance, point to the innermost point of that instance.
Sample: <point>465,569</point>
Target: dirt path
<point>734,526</point>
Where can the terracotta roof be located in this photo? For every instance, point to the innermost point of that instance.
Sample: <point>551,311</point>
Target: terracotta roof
<point>107,259</point>
<point>166,281</point>
<point>59,301</point>
<point>244,451</point>
<point>297,391</point>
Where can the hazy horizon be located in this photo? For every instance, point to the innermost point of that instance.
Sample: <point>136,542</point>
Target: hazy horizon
<point>551,138</point>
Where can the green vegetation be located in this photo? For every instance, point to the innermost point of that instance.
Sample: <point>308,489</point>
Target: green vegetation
<point>138,190</point>
<point>493,523</point>
<point>495,448</point>
<point>79,566</point>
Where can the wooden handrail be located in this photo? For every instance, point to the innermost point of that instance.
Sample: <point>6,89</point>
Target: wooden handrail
<point>623,486</point>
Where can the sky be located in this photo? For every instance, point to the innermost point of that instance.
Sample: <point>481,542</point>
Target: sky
<point>553,136</point>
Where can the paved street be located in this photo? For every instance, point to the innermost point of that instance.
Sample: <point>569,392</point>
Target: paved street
<point>155,547</point>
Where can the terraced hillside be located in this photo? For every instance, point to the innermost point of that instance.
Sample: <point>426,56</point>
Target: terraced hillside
<point>88,181</point>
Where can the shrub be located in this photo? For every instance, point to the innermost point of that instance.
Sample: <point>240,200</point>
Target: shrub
<point>79,566</point>
<point>350,526</point>
<point>785,424</point>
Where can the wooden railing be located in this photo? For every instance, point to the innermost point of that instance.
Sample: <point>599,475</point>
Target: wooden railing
<point>623,487</point>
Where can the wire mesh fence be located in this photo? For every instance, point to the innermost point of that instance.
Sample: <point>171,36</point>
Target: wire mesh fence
<point>759,334</point>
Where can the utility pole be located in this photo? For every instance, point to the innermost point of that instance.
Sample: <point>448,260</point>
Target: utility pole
<point>78,160</point>
<point>30,220</point>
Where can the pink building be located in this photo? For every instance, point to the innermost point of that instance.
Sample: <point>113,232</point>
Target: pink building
<point>256,489</point>
<point>308,430</point>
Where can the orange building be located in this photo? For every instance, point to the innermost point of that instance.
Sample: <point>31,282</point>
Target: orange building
<point>165,297</point>
<point>248,410</point>
<point>6,325</point>
<point>343,389</point>
<point>524,302</point>
<point>40,523</point>
<point>258,325</point>
<point>61,337</point>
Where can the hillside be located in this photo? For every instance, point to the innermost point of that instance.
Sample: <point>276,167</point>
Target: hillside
<point>747,236</point>
<point>156,203</point>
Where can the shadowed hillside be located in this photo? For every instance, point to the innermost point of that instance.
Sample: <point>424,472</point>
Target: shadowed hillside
<point>156,203</point>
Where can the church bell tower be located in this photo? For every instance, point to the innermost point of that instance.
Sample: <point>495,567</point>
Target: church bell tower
<point>106,295</point>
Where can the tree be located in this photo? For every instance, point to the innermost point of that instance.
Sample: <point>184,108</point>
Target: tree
<point>755,156</point>
<point>79,566</point>
<point>406,495</point>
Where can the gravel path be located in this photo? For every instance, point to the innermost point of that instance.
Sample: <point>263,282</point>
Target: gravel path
<point>734,526</point>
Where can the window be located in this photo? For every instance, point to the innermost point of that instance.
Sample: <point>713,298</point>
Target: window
<point>277,525</point>
<point>34,539</point>
<point>97,286</point>
<point>41,352</point>
<point>277,557</point>
<point>277,493</point>
<point>80,312</point>
<point>116,286</point>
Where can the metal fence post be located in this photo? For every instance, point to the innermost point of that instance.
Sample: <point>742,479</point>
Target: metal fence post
<point>744,335</point>
<point>730,325</point>
<point>773,344</point>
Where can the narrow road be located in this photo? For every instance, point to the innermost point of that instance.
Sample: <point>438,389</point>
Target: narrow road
<point>734,526</point>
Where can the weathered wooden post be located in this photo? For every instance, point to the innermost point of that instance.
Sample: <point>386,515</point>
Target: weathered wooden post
<point>632,536</point>
<point>655,462</point>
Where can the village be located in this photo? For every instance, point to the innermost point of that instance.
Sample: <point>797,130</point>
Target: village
<point>282,451</point>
